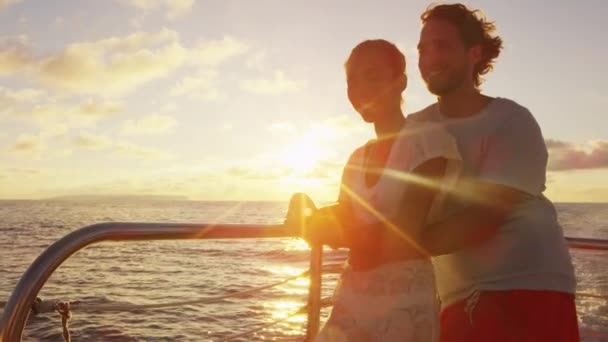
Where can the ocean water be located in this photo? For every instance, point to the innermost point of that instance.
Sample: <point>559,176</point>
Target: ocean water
<point>152,272</point>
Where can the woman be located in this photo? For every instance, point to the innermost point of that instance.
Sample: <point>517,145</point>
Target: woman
<point>391,188</point>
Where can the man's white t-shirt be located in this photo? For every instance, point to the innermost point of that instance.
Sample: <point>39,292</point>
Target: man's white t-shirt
<point>503,144</point>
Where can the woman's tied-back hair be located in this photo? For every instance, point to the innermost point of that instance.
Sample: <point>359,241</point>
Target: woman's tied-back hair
<point>394,58</point>
<point>474,30</point>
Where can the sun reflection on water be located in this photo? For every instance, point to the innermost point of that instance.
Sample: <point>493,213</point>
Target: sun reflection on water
<point>296,245</point>
<point>286,309</point>
<point>283,309</point>
<point>284,270</point>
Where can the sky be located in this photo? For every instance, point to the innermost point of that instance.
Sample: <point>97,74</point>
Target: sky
<point>246,100</point>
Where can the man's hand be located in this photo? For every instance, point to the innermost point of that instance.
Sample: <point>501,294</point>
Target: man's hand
<point>491,204</point>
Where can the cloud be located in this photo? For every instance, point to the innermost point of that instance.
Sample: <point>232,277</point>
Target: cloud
<point>342,125</point>
<point>32,143</point>
<point>329,129</point>
<point>5,3</point>
<point>24,171</point>
<point>178,7</point>
<point>214,52</point>
<point>168,107</point>
<point>94,108</point>
<point>114,65</point>
<point>142,4</point>
<point>150,125</point>
<point>89,141</point>
<point>256,61</point>
<point>86,113</point>
<point>29,144</point>
<point>15,55</point>
<point>17,177</point>
<point>140,152</point>
<point>568,156</point>
<point>173,8</point>
<point>9,98</point>
<point>207,56</point>
<point>553,144</point>
<point>54,131</point>
<point>200,86</point>
<point>255,174</point>
<point>277,85</point>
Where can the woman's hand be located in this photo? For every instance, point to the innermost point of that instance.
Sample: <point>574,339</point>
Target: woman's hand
<point>316,226</point>
<point>300,210</point>
<point>324,228</point>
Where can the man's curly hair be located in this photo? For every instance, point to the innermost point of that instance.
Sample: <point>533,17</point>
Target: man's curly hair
<point>474,30</point>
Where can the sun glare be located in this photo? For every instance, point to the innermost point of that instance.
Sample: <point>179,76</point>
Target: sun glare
<point>302,156</point>
<point>296,245</point>
<point>282,309</point>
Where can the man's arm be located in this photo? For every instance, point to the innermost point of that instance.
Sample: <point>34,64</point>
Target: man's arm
<point>512,171</point>
<point>477,223</point>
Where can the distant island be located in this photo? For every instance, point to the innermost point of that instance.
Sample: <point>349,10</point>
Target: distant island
<point>121,198</point>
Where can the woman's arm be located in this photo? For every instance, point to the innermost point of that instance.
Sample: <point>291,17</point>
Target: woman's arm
<point>335,225</point>
<point>423,186</point>
<point>327,224</point>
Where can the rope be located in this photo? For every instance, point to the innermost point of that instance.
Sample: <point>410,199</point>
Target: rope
<point>590,295</point>
<point>264,326</point>
<point>64,310</point>
<point>41,306</point>
<point>130,307</point>
<point>49,306</point>
<point>325,302</point>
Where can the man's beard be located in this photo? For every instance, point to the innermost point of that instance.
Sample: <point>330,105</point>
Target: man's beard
<point>453,80</point>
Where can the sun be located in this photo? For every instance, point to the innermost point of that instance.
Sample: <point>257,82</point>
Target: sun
<point>304,161</point>
<point>302,156</point>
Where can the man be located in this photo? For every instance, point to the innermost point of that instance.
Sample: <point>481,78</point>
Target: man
<point>503,268</point>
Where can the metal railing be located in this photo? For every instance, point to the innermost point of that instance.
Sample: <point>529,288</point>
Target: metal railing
<point>19,305</point>
<point>589,244</point>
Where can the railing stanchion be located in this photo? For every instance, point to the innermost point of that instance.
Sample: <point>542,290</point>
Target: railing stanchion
<point>314,292</point>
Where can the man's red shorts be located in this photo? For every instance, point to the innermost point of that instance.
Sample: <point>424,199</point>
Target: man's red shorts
<point>513,316</point>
